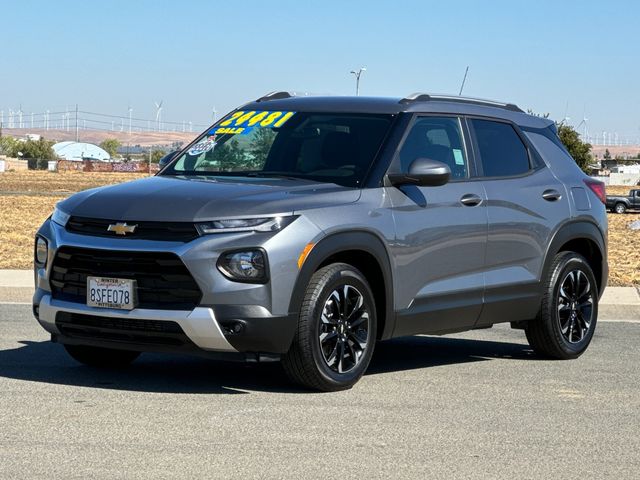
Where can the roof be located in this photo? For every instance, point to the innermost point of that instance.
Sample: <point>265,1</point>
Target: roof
<point>418,103</point>
<point>79,151</point>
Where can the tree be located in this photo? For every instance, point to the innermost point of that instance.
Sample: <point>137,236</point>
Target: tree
<point>226,157</point>
<point>39,149</point>
<point>579,150</point>
<point>260,147</point>
<point>8,146</point>
<point>111,146</point>
<point>156,155</point>
<point>607,154</point>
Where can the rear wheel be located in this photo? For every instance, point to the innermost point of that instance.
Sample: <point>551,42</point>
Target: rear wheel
<point>101,357</point>
<point>336,332</point>
<point>568,313</point>
<point>620,208</point>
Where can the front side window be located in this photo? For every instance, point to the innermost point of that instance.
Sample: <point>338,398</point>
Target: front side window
<point>322,147</point>
<point>502,152</point>
<point>436,138</point>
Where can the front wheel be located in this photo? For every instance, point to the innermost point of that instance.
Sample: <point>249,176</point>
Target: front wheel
<point>101,357</point>
<point>620,208</point>
<point>336,332</point>
<point>568,313</point>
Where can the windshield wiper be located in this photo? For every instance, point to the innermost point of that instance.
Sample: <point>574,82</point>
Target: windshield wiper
<point>274,174</point>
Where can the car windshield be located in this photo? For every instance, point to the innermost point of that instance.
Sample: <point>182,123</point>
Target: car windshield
<point>322,147</point>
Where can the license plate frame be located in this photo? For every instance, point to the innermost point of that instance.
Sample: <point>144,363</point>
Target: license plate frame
<point>108,292</point>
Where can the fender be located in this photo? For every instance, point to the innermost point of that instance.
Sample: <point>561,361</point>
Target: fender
<point>341,242</point>
<point>577,230</point>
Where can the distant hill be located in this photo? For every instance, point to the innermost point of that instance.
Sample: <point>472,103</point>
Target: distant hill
<point>144,139</point>
<point>616,151</point>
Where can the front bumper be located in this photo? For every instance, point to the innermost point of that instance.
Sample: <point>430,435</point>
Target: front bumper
<point>199,324</point>
<point>249,331</point>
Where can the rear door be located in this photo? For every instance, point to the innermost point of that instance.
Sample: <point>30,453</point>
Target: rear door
<point>441,234</point>
<point>525,205</point>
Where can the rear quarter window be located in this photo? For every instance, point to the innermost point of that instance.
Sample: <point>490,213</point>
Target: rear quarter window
<point>502,153</point>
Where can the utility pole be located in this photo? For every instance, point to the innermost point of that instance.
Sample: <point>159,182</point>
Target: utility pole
<point>357,74</point>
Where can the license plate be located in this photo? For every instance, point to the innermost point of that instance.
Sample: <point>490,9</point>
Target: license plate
<point>111,293</point>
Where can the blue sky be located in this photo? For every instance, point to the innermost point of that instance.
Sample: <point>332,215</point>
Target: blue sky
<point>195,55</point>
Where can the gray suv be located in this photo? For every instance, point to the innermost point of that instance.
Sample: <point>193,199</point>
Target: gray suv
<point>306,229</point>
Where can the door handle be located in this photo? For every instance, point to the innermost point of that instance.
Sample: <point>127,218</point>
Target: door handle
<point>551,195</point>
<point>470,200</point>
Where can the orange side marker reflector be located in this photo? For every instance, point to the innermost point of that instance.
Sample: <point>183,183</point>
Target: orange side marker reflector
<point>305,253</point>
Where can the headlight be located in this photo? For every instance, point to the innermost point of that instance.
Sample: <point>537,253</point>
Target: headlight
<point>266,224</point>
<point>60,217</point>
<point>42,251</point>
<point>244,265</point>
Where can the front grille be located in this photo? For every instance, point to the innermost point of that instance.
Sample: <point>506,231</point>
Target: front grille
<point>161,231</point>
<point>143,332</point>
<point>163,281</point>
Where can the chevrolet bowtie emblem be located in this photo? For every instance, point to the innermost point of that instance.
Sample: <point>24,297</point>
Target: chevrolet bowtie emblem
<point>121,228</point>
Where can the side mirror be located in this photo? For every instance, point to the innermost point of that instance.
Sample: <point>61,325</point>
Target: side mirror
<point>423,172</point>
<point>166,159</point>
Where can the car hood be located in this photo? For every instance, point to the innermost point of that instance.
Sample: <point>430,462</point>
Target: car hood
<point>180,199</point>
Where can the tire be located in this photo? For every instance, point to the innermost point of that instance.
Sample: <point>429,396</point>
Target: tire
<point>620,208</point>
<point>324,330</point>
<point>568,315</point>
<point>101,357</point>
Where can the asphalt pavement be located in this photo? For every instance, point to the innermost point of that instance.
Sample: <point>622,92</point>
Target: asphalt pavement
<point>473,405</point>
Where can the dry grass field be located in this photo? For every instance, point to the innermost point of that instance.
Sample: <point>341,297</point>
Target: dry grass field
<point>40,182</point>
<point>624,254</point>
<point>21,214</point>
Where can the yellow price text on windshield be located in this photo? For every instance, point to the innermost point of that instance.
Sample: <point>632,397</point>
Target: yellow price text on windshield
<point>257,118</point>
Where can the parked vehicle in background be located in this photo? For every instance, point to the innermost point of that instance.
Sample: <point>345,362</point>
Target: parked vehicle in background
<point>306,229</point>
<point>620,204</point>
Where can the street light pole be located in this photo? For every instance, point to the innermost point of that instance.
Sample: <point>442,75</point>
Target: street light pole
<point>357,74</point>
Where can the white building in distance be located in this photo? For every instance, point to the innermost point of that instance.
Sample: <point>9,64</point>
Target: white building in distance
<point>78,151</point>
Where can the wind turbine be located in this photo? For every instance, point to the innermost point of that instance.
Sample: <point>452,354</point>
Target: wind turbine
<point>585,130</point>
<point>130,112</point>
<point>566,118</point>
<point>214,112</point>
<point>158,114</point>
<point>20,116</point>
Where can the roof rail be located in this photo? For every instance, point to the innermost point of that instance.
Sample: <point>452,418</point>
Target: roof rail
<point>416,97</point>
<point>274,96</point>
<point>423,97</point>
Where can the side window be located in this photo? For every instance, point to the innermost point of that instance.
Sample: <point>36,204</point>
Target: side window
<point>502,152</point>
<point>437,138</point>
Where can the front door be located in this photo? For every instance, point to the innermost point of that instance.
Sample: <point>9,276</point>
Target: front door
<point>441,235</point>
